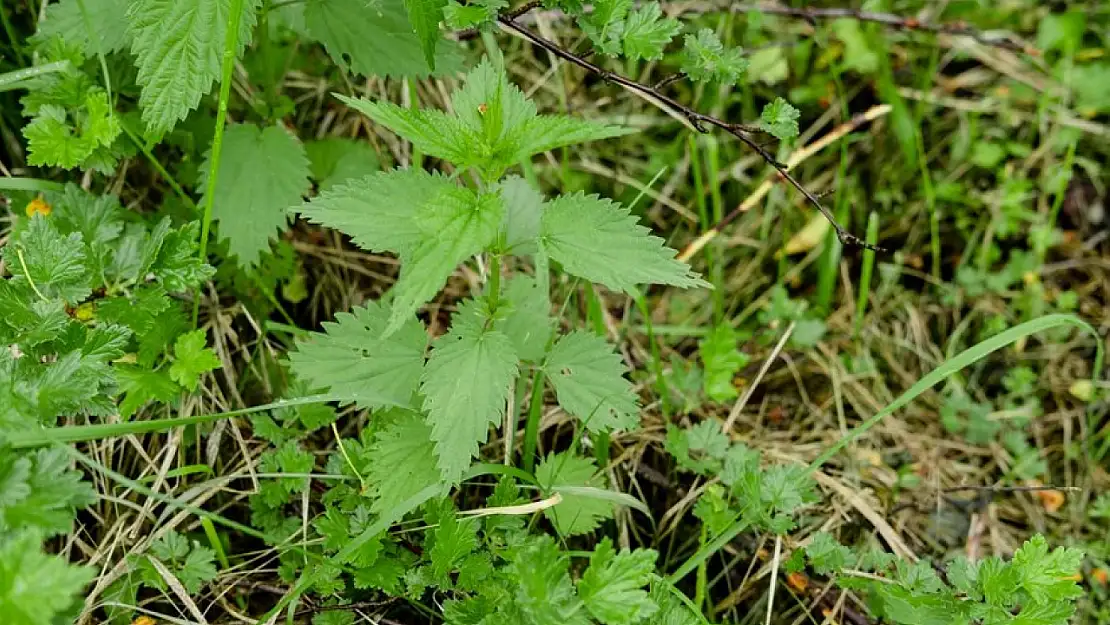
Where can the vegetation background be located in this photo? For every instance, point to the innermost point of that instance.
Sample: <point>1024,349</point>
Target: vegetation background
<point>967,139</point>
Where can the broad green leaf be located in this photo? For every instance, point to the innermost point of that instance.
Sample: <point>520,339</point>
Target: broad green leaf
<point>575,514</point>
<point>63,19</point>
<point>177,46</point>
<point>375,38</point>
<point>647,32</point>
<point>138,386</point>
<point>612,587</point>
<point>54,264</point>
<point>382,212</point>
<point>36,587</point>
<point>601,241</point>
<point>192,359</point>
<point>433,132</point>
<point>455,539</point>
<point>402,462</point>
<point>523,206</point>
<point>452,233</point>
<point>263,172</point>
<point>425,15</point>
<point>705,58</point>
<point>40,492</point>
<point>780,119</point>
<point>528,322</point>
<point>588,376</point>
<point>355,363</point>
<point>465,387</point>
<point>336,160</point>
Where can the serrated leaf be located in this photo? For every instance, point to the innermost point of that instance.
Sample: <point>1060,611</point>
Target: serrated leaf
<point>705,58</point>
<point>178,45</point>
<point>138,386</point>
<point>455,538</point>
<point>263,172</point>
<point>543,591</point>
<point>40,492</point>
<point>354,363</point>
<point>523,206</point>
<point>723,360</point>
<point>780,119</point>
<point>826,555</point>
<point>605,24</point>
<point>64,19</point>
<point>192,359</point>
<point>576,514</point>
<point>53,263</point>
<point>403,462</point>
<point>601,241</point>
<point>53,140</point>
<point>612,587</point>
<point>433,132</point>
<point>425,15</point>
<point>36,587</point>
<point>374,39</point>
<point>647,32</point>
<point>701,448</point>
<point>528,322</point>
<point>465,387</point>
<point>1047,575</point>
<point>588,376</point>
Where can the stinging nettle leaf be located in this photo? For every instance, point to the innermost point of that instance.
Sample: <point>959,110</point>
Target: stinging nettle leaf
<point>262,173</point>
<point>588,376</point>
<point>403,462</point>
<point>465,387</point>
<point>575,514</point>
<point>178,45</point>
<point>64,19</point>
<point>356,363</point>
<point>601,241</point>
<point>425,15</point>
<point>375,38</point>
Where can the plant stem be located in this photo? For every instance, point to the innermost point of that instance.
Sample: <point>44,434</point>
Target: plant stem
<point>865,273</point>
<point>532,425</point>
<point>230,43</point>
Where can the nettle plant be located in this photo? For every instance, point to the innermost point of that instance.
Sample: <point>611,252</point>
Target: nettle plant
<point>433,408</point>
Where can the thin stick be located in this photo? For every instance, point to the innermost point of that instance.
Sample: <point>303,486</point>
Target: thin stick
<point>1009,489</point>
<point>793,161</point>
<point>774,579</point>
<point>698,121</point>
<point>738,407</point>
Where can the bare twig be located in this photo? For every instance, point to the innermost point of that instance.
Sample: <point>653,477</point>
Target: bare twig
<point>1008,489</point>
<point>699,121</point>
<point>890,20</point>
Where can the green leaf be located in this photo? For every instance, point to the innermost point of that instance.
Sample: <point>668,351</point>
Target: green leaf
<point>526,317</point>
<point>40,492</point>
<point>647,32</point>
<point>613,586</point>
<point>701,448</point>
<point>1061,31</point>
<point>588,376</point>
<point>576,514</point>
<point>826,555</point>
<point>544,592</point>
<point>723,360</point>
<point>601,241</point>
<point>705,58</point>
<point>465,387</point>
<point>472,14</point>
<point>263,172</point>
<point>355,363</point>
<point>336,160</point>
<point>402,462</point>
<point>192,359</point>
<point>35,587</point>
<point>54,264</point>
<point>523,206</point>
<point>1045,575</point>
<point>53,140</point>
<point>780,119</point>
<point>455,539</point>
<point>858,55</point>
<point>375,39</point>
<point>904,606</point>
<point>605,24</point>
<point>64,19</point>
<point>177,46</point>
<point>425,15</point>
<point>138,386</point>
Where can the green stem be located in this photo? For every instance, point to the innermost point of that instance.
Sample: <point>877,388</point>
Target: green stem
<point>230,42</point>
<point>532,425</point>
<point>865,272</point>
<point>10,80</point>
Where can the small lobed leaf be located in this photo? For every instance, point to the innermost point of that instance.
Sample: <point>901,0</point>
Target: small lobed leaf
<point>262,173</point>
<point>612,587</point>
<point>647,32</point>
<point>705,58</point>
<point>37,587</point>
<point>354,362</point>
<point>192,359</point>
<point>544,592</point>
<point>780,119</point>
<point>601,241</point>
<point>1047,575</point>
<point>52,262</point>
<point>589,381</point>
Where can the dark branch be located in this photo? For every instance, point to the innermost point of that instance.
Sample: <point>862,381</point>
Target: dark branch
<point>889,20</point>
<point>700,121</point>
